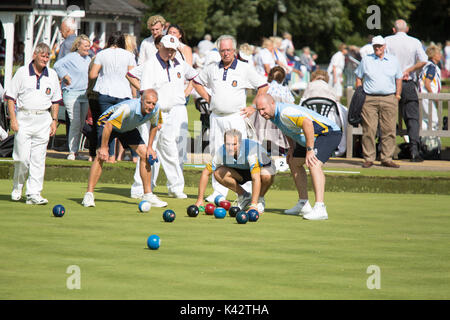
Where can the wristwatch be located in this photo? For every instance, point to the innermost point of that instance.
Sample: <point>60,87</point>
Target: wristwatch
<point>309,149</point>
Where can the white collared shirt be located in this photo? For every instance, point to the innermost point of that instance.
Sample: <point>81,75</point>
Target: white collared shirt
<point>407,49</point>
<point>147,49</point>
<point>32,92</point>
<point>228,86</point>
<point>167,80</point>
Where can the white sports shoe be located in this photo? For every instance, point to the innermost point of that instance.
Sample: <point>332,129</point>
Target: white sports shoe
<point>137,195</point>
<point>154,200</point>
<point>16,194</point>
<point>213,196</point>
<point>178,195</point>
<point>301,208</point>
<point>243,201</point>
<point>88,200</point>
<point>317,213</point>
<point>71,156</point>
<point>36,199</point>
<point>261,204</point>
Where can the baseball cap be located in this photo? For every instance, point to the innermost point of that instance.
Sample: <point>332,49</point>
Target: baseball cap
<point>170,42</point>
<point>378,40</point>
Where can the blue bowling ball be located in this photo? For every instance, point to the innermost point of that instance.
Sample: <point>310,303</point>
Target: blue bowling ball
<point>59,210</point>
<point>220,213</point>
<point>242,217</point>
<point>153,242</point>
<point>253,215</point>
<point>169,215</point>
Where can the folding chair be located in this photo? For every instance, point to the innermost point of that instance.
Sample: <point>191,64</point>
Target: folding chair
<point>322,106</point>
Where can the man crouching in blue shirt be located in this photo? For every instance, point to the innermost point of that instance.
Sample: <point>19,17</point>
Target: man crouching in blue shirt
<point>121,121</point>
<point>312,140</point>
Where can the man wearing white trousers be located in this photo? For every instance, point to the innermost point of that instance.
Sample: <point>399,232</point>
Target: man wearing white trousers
<point>33,102</point>
<point>228,81</point>
<point>165,74</point>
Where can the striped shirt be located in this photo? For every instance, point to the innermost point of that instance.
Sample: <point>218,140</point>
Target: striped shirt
<point>127,115</point>
<point>289,119</point>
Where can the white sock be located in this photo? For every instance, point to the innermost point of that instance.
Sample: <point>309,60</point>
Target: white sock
<point>319,204</point>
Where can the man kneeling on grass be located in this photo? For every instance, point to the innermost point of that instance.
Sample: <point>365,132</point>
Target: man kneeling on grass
<point>120,121</point>
<point>237,162</point>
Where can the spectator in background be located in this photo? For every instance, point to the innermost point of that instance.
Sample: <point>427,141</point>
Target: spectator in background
<point>412,58</point>
<point>336,69</point>
<point>156,26</point>
<point>205,45</point>
<point>381,78</point>
<point>266,60</point>
<point>184,52</point>
<point>320,87</point>
<point>73,71</point>
<point>367,48</point>
<point>110,68</point>
<point>307,60</point>
<point>95,48</point>
<point>68,31</point>
<point>430,82</point>
<point>447,55</point>
<point>287,43</point>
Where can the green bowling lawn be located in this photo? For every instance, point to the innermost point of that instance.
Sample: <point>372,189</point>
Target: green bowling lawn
<point>374,246</point>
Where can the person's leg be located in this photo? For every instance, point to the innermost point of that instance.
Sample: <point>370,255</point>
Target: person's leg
<point>39,143</point>
<point>21,156</point>
<point>298,173</point>
<point>388,121</point>
<point>369,115</point>
<point>137,189</point>
<point>318,181</point>
<point>145,170</point>
<point>70,101</point>
<point>409,104</point>
<point>94,174</point>
<point>229,178</point>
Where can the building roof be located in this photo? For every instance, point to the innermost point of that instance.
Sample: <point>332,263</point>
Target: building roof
<point>117,7</point>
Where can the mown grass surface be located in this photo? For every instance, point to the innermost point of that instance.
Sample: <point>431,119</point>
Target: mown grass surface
<point>279,257</point>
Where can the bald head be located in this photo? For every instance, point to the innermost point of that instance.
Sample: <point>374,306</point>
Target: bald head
<point>265,105</point>
<point>148,101</point>
<point>400,25</point>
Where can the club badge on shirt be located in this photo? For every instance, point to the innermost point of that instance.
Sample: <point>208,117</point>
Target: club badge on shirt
<point>234,84</point>
<point>179,75</point>
<point>48,91</point>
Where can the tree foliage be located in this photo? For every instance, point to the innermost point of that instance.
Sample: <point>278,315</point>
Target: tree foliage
<point>320,24</point>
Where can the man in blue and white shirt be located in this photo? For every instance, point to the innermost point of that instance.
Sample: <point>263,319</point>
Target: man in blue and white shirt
<point>312,139</point>
<point>121,121</point>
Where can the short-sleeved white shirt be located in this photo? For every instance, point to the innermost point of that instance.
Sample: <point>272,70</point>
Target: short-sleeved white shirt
<point>265,57</point>
<point>167,80</point>
<point>338,61</point>
<point>111,80</point>
<point>228,86</point>
<point>147,49</point>
<point>408,51</point>
<point>32,92</point>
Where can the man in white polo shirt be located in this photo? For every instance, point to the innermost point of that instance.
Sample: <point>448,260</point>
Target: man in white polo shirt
<point>33,102</point>
<point>228,81</point>
<point>147,49</point>
<point>166,74</point>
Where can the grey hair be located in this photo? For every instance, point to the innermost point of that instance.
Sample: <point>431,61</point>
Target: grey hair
<point>70,22</point>
<point>42,47</point>
<point>226,37</point>
<point>233,133</point>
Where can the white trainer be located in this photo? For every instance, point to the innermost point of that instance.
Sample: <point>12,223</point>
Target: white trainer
<point>261,204</point>
<point>317,213</point>
<point>36,199</point>
<point>16,194</point>
<point>154,200</point>
<point>178,195</point>
<point>71,156</point>
<point>88,200</point>
<point>243,200</point>
<point>136,195</point>
<point>212,196</point>
<point>301,208</point>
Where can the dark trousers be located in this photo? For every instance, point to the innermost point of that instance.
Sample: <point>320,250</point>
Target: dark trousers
<point>92,135</point>
<point>409,107</point>
<point>105,102</point>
